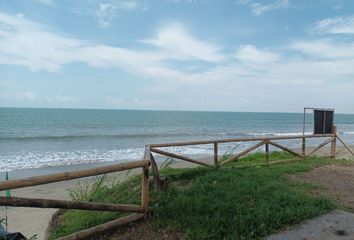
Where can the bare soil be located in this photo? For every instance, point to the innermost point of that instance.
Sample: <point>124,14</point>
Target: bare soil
<point>335,180</point>
<point>144,231</point>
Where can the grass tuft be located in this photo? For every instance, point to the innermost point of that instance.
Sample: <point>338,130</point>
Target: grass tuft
<point>101,189</point>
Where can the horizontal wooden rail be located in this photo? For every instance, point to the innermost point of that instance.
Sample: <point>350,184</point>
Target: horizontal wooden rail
<point>179,157</point>
<point>63,204</point>
<point>290,137</point>
<point>285,149</point>
<point>104,228</point>
<point>244,152</point>
<point>58,177</point>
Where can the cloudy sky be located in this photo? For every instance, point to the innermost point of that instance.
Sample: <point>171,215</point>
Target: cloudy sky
<point>216,55</point>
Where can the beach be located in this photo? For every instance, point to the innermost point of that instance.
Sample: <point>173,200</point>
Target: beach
<point>21,219</point>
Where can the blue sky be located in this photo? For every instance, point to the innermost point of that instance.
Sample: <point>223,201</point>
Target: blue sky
<point>216,55</point>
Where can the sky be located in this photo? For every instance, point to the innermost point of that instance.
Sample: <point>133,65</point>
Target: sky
<point>195,55</point>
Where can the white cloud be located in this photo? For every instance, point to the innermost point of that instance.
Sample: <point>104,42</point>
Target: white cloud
<point>19,96</point>
<point>284,85</point>
<point>113,100</point>
<point>253,54</point>
<point>178,44</point>
<point>131,5</point>
<point>20,15</point>
<point>26,96</point>
<point>258,8</point>
<point>336,25</point>
<point>26,43</point>
<point>302,70</point>
<point>324,48</point>
<point>65,99</point>
<point>29,44</point>
<point>292,80</point>
<point>106,12</point>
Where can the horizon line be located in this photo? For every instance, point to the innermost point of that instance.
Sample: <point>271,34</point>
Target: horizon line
<point>162,110</point>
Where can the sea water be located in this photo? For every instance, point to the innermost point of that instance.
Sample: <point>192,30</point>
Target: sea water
<point>32,138</point>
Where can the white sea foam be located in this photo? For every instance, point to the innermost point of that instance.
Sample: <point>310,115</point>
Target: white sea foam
<point>27,160</point>
<point>291,134</point>
<point>348,132</point>
<point>261,134</point>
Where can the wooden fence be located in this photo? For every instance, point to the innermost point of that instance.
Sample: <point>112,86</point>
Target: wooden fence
<point>139,211</point>
<point>259,142</point>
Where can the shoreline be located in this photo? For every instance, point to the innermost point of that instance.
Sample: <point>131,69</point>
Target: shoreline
<point>31,172</point>
<point>21,219</point>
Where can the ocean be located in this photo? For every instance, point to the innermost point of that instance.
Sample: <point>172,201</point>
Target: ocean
<point>33,138</point>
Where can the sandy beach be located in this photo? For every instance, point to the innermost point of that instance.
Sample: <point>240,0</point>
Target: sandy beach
<point>31,221</point>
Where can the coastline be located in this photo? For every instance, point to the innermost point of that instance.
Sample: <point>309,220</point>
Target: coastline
<point>21,219</point>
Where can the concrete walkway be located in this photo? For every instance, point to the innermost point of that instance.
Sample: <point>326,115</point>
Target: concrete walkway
<point>332,226</point>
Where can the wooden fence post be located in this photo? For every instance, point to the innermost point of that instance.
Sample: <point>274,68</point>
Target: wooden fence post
<point>145,190</point>
<point>303,147</point>
<point>334,143</point>
<point>155,169</point>
<point>267,151</point>
<point>215,154</point>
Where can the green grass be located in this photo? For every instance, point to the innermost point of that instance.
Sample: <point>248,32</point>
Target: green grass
<point>258,158</point>
<point>229,203</point>
<point>223,203</point>
<point>101,189</point>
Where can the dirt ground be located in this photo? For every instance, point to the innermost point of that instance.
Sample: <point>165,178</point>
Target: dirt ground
<point>146,231</point>
<point>335,180</point>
